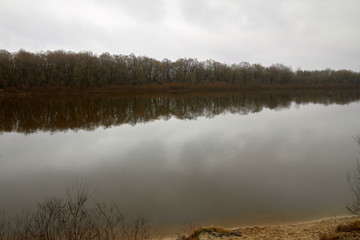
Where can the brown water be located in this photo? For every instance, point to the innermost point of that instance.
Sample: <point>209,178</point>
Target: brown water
<point>224,158</point>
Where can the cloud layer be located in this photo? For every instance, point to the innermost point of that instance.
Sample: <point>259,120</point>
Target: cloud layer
<point>306,34</point>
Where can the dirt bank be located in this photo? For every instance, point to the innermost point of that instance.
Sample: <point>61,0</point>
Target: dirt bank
<point>304,230</point>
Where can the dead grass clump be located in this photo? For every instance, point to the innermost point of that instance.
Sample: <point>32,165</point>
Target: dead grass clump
<point>211,231</point>
<point>350,227</point>
<point>348,231</point>
<point>330,237</point>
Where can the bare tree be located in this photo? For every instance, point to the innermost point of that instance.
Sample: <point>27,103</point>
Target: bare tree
<point>137,229</point>
<point>111,220</point>
<point>47,220</point>
<point>3,226</point>
<point>24,226</point>
<point>77,219</point>
<point>72,218</point>
<point>353,178</point>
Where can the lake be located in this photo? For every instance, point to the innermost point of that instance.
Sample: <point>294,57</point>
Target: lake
<point>225,159</point>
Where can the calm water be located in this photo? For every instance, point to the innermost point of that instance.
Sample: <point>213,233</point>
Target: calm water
<point>226,159</point>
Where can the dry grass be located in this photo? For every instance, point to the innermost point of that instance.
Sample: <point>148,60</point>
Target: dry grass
<point>215,232</point>
<point>324,229</point>
<point>348,231</point>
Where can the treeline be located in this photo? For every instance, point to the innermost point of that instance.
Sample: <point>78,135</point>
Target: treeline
<point>88,112</point>
<point>56,69</point>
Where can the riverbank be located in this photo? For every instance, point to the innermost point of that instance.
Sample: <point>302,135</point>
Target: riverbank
<point>324,228</point>
<point>172,88</point>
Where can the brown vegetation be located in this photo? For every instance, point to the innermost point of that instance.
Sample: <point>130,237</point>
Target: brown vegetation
<point>312,230</point>
<point>73,218</point>
<point>212,232</point>
<point>347,231</point>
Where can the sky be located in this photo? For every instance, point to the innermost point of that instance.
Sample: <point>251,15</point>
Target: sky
<point>303,34</point>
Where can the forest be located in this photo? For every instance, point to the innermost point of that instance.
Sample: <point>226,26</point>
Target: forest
<point>23,71</point>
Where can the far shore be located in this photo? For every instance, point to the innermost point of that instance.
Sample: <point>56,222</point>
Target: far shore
<point>172,88</point>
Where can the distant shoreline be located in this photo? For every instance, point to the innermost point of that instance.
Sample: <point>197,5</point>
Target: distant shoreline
<point>173,88</point>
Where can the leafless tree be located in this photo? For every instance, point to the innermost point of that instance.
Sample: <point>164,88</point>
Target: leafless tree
<point>137,229</point>
<point>77,219</point>
<point>47,219</point>
<point>111,220</point>
<point>73,218</point>
<point>353,178</point>
<point>3,226</point>
<point>24,226</point>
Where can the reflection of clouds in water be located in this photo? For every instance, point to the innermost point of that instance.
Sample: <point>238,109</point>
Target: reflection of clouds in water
<point>174,171</point>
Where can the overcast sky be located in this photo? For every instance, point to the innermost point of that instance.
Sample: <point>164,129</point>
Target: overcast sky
<point>304,34</point>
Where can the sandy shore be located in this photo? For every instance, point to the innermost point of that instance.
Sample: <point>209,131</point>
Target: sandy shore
<point>304,230</point>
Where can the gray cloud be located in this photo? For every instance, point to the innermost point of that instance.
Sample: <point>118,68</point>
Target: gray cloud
<point>306,34</point>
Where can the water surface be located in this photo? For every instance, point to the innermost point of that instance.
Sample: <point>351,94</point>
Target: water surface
<point>226,159</point>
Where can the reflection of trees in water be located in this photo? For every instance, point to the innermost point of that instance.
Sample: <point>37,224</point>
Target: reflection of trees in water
<point>91,111</point>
